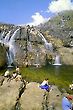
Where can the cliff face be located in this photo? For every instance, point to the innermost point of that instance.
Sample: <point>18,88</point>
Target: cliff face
<point>60,26</point>
<point>66,55</point>
<point>30,46</point>
<point>27,46</point>
<point>30,49</point>
<point>59,31</point>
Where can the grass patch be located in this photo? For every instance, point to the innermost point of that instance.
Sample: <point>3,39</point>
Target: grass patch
<point>61,76</point>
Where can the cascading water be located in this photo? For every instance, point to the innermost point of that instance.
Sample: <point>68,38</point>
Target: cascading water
<point>47,45</point>
<point>6,40</point>
<point>57,60</point>
<point>2,35</point>
<point>50,47</point>
<point>37,63</point>
<point>9,42</point>
<point>12,39</point>
<point>9,58</point>
<point>11,51</point>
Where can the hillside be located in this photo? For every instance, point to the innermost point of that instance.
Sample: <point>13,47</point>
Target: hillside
<point>5,26</point>
<point>60,26</point>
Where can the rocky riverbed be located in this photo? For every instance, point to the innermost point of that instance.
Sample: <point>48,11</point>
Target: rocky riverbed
<point>16,95</point>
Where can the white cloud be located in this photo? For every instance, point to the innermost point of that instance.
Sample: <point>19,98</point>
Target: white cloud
<point>60,5</point>
<point>37,18</point>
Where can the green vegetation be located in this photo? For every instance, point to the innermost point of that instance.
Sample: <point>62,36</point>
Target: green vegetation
<point>60,26</point>
<point>61,76</point>
<point>63,18</point>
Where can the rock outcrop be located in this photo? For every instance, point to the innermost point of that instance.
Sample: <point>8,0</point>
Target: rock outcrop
<point>9,94</point>
<point>66,55</point>
<point>32,99</point>
<point>55,98</point>
<point>14,95</point>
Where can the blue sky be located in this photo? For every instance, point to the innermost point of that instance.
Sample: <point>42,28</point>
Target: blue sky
<point>20,11</point>
<point>31,11</point>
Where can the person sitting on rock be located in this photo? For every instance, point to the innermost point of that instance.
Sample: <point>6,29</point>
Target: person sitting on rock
<point>45,85</point>
<point>17,70</point>
<point>6,73</point>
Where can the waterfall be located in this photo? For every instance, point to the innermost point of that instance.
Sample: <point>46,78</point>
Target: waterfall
<point>57,60</point>
<point>50,47</point>
<point>10,44</point>
<point>47,45</point>
<point>6,40</point>
<point>13,36</point>
<point>43,38</point>
<point>9,58</point>
<point>2,34</point>
<point>11,51</point>
<point>37,63</point>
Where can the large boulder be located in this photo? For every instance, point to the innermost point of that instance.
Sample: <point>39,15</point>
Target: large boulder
<point>55,98</point>
<point>32,98</point>
<point>13,97</point>
<point>9,92</point>
<point>35,98</point>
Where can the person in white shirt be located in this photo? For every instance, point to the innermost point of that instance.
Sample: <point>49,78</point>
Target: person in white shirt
<point>17,69</point>
<point>45,85</point>
<point>6,73</point>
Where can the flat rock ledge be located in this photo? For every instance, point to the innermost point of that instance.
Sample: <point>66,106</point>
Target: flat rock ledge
<point>14,95</point>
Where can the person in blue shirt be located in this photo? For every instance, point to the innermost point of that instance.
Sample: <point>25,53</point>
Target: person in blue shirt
<point>66,104</point>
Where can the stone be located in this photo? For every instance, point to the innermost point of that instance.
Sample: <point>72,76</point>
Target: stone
<point>9,93</point>
<point>32,98</point>
<point>55,98</point>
